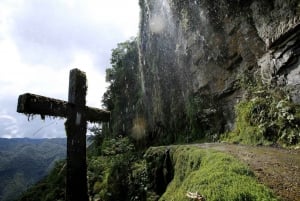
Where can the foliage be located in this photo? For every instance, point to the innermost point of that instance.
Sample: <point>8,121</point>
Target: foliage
<point>96,139</point>
<point>267,116</point>
<point>13,186</point>
<point>113,174</point>
<point>116,173</point>
<point>204,117</point>
<point>115,146</point>
<point>122,97</point>
<point>138,181</point>
<point>213,174</point>
<point>23,162</point>
<point>50,188</point>
<point>165,173</point>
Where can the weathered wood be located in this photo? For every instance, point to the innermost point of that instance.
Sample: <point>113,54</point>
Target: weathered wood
<point>76,143</point>
<point>77,115</point>
<point>35,104</point>
<point>41,105</point>
<point>97,115</point>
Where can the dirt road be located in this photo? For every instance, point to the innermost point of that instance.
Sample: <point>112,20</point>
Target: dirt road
<point>277,168</point>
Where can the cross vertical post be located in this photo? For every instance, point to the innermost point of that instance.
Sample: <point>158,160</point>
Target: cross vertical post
<point>76,127</point>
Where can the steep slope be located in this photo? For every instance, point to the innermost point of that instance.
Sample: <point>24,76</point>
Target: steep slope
<point>25,161</point>
<point>119,173</point>
<point>198,58</point>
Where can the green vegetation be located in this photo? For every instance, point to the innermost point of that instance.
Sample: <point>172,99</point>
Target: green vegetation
<point>122,97</point>
<point>24,162</point>
<point>115,173</point>
<point>164,173</point>
<point>266,116</point>
<point>214,175</point>
<point>50,188</point>
<point>205,118</point>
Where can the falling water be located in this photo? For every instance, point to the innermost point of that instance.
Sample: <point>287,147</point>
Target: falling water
<point>142,79</point>
<point>160,20</point>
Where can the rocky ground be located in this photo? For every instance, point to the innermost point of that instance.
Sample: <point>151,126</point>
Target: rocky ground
<point>277,168</point>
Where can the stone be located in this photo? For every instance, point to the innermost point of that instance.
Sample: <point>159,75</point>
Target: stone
<point>211,44</point>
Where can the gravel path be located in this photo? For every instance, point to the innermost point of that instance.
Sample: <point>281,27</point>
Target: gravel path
<point>277,168</point>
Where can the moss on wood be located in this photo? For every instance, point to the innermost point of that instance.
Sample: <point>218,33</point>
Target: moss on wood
<point>32,104</point>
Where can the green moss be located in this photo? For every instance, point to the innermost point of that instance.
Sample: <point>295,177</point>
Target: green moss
<point>214,175</point>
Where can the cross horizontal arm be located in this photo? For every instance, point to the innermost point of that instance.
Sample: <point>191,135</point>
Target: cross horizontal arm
<point>41,105</point>
<point>35,104</point>
<point>96,115</point>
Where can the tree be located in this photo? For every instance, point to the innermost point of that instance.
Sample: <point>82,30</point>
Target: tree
<point>122,96</point>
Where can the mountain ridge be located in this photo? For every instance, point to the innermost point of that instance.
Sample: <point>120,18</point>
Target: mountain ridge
<point>24,161</point>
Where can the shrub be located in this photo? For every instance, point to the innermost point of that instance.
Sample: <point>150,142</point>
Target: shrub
<point>266,117</point>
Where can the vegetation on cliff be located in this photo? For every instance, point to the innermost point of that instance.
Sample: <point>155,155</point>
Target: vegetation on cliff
<point>266,116</point>
<point>122,97</point>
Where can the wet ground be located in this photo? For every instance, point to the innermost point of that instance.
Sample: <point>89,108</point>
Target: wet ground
<point>277,168</point>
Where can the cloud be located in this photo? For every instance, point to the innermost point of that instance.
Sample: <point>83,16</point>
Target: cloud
<point>14,125</point>
<point>8,125</point>
<point>50,31</point>
<point>40,41</point>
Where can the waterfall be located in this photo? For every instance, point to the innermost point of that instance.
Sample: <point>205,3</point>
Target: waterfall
<point>161,18</point>
<point>159,21</point>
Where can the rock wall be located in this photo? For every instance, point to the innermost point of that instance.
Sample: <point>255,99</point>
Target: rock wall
<point>197,55</point>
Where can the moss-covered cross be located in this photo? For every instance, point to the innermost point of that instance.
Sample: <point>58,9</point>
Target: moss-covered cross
<point>77,114</point>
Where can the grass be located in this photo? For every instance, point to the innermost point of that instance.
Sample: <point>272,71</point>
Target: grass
<point>215,175</point>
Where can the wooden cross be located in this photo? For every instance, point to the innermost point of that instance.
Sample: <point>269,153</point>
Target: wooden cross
<point>77,114</point>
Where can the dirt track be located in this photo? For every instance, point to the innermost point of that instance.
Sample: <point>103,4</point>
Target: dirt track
<point>275,167</point>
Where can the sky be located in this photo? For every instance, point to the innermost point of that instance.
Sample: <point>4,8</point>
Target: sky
<point>42,40</point>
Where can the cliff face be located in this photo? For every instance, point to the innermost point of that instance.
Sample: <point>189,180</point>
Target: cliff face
<point>196,58</point>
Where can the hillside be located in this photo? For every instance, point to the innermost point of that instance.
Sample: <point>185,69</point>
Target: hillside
<point>25,161</point>
<point>216,171</point>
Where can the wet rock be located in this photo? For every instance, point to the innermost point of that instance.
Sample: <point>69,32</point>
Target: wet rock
<point>280,66</point>
<point>207,47</point>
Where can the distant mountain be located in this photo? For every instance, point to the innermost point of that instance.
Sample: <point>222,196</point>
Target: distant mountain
<point>25,161</point>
